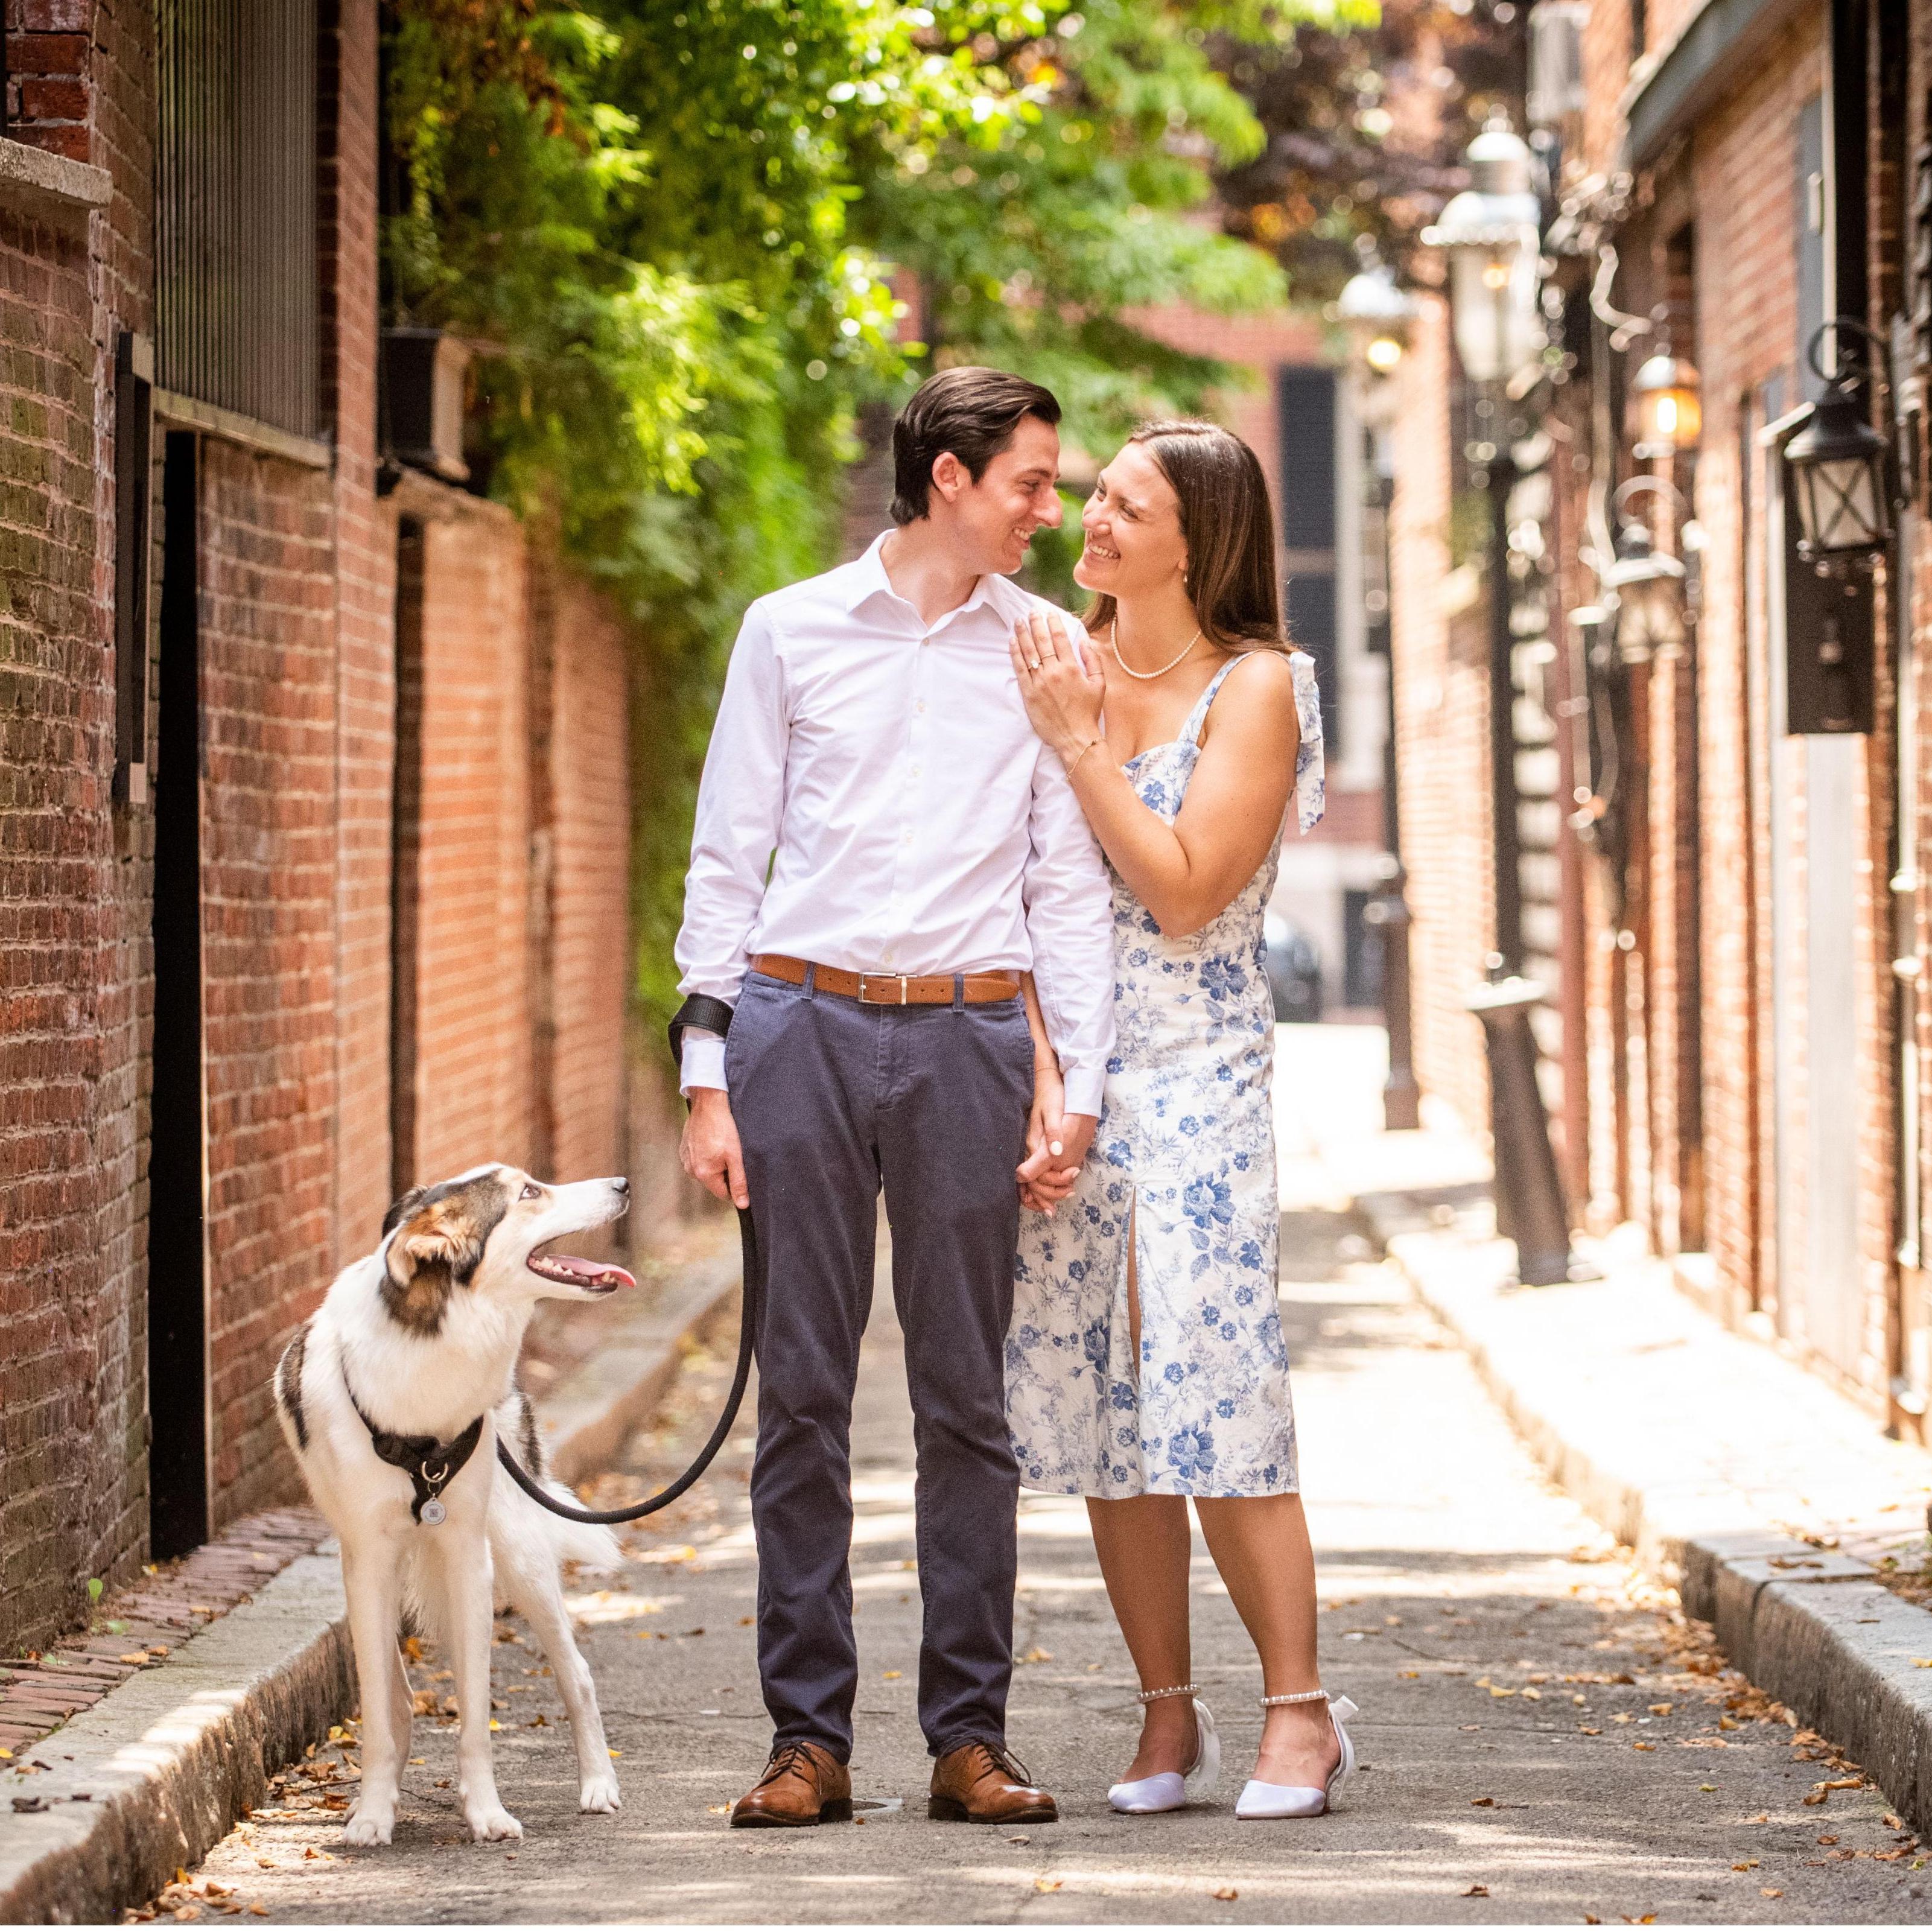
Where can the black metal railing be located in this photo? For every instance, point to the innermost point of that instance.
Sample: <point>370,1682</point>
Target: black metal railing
<point>237,322</point>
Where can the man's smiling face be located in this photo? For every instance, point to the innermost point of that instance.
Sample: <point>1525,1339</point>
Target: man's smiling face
<point>1017,495</point>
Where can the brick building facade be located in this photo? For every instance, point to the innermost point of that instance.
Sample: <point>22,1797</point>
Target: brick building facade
<point>1743,936</point>
<point>314,810</point>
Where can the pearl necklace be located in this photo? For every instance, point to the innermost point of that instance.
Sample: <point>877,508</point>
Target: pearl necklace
<point>1145,677</point>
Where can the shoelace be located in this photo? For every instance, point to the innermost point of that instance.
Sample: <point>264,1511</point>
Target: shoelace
<point>788,1757</point>
<point>1004,1760</point>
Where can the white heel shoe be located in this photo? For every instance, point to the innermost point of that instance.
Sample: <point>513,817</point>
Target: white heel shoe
<point>1302,1801</point>
<point>1169,1790</point>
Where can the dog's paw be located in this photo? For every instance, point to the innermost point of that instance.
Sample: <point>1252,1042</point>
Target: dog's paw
<point>486,1826</point>
<point>599,1793</point>
<point>369,1825</point>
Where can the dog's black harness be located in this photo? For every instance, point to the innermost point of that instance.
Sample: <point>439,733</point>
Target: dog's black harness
<point>430,1465</point>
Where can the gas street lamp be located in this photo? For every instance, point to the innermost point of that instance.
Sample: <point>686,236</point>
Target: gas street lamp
<point>1649,588</point>
<point>1377,314</point>
<point>1670,415</point>
<point>1492,231</point>
<point>1840,465</point>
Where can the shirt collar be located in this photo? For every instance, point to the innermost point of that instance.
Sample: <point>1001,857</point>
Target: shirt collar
<point>866,578</point>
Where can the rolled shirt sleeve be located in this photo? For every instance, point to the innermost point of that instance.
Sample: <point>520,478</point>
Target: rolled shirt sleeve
<point>739,799</point>
<point>1069,916</point>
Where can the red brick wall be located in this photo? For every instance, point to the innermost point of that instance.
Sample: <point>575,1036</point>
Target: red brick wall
<point>49,72</point>
<point>589,954</point>
<point>1441,737</point>
<point>268,887</point>
<point>75,881</point>
<point>474,1067</point>
<point>365,556</point>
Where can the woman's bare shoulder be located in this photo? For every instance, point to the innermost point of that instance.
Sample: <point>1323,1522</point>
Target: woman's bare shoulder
<point>1257,696</point>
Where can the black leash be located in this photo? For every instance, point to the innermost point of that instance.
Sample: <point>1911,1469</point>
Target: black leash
<point>715,1016</point>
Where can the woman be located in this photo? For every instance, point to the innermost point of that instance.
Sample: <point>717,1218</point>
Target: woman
<point>1145,1362</point>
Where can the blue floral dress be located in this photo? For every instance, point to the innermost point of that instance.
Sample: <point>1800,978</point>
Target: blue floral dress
<point>1183,1157</point>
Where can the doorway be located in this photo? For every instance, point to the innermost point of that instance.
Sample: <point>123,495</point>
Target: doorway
<point>178,1462</point>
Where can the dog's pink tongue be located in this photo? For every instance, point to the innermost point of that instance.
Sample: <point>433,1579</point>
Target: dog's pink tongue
<point>594,1274</point>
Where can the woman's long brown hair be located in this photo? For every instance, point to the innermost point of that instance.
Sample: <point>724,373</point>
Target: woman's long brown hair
<point>1228,525</point>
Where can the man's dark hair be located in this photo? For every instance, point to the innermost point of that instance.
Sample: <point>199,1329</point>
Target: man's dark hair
<point>973,412</point>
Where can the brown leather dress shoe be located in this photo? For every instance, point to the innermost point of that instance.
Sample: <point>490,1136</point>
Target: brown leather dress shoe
<point>986,1784</point>
<point>804,1784</point>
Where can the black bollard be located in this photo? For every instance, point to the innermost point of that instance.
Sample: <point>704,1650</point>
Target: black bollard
<point>1530,1208</point>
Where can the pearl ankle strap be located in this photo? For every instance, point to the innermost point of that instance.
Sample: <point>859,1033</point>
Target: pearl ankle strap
<point>1171,1690</point>
<point>1296,1697</point>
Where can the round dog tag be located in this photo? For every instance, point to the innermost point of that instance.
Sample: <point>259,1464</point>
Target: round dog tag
<point>434,1512</point>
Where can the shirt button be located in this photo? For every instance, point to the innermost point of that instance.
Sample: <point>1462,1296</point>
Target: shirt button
<point>914,772</point>
<point>920,706</point>
<point>907,840</point>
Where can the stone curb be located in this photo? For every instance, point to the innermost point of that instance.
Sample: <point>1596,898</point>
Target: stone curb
<point>157,1773</point>
<point>1814,1629</point>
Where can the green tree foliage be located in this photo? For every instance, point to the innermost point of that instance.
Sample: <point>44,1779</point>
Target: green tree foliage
<point>671,226</point>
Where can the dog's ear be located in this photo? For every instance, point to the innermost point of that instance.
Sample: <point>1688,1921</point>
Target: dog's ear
<point>408,1205</point>
<point>437,1244</point>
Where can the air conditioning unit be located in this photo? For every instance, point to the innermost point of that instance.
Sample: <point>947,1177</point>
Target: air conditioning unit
<point>1556,61</point>
<point>423,371</point>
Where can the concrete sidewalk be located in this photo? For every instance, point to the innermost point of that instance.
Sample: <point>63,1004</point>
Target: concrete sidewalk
<point>1764,1496</point>
<point>1542,1739</point>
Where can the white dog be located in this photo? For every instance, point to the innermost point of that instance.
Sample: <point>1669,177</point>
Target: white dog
<point>393,1394</point>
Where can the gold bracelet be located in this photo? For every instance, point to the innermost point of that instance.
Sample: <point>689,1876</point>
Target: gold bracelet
<point>1081,754</point>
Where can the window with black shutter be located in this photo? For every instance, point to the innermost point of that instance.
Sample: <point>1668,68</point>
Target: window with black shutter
<point>1305,400</point>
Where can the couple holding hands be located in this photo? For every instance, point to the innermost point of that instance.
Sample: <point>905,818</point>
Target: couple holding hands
<point>983,889</point>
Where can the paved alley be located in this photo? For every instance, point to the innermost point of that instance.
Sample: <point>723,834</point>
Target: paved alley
<point>1541,1740</point>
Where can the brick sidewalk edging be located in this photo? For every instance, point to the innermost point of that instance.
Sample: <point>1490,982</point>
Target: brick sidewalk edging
<point>1811,1627</point>
<point>135,1628</point>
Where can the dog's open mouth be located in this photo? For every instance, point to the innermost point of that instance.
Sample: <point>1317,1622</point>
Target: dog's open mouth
<point>573,1271</point>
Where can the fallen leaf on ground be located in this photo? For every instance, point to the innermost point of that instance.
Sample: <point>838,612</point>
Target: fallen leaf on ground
<point>1661,1710</point>
<point>1590,1918</point>
<point>1224,1891</point>
<point>1770,1891</point>
<point>1747,1864</point>
<point>1482,1801</point>
<point>1476,1891</point>
<point>1827,1838</point>
<point>1638,1744</point>
<point>1046,1885</point>
<point>890,1674</point>
<point>1036,1655</point>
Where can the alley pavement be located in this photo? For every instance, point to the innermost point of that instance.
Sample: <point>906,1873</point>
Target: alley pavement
<point>1543,1739</point>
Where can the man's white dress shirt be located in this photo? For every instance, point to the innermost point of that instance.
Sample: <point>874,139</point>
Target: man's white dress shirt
<point>920,824</point>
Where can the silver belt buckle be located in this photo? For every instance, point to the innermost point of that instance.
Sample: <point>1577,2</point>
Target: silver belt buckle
<point>865,988</point>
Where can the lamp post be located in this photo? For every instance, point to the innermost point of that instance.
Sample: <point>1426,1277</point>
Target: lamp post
<point>1377,314</point>
<point>1492,232</point>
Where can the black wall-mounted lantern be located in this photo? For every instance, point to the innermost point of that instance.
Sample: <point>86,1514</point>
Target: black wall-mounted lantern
<point>1840,482</point>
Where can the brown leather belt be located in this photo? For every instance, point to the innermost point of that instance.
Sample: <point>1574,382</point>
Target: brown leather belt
<point>889,989</point>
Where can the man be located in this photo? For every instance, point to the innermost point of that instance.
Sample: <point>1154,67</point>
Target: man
<point>928,852</point>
